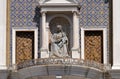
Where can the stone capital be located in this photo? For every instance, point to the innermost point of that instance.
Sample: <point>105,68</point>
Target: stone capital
<point>43,12</point>
<point>76,13</point>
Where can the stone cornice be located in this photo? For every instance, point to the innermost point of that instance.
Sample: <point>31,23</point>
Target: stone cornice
<point>58,5</point>
<point>69,1</point>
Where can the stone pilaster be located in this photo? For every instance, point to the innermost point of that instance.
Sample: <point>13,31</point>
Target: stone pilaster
<point>75,48</point>
<point>44,47</point>
<point>3,5</point>
<point>116,34</point>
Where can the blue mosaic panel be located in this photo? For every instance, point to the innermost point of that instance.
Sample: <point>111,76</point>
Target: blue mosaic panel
<point>23,12</point>
<point>94,13</point>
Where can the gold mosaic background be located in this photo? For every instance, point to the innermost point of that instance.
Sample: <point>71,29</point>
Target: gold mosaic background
<point>94,46</point>
<point>24,46</point>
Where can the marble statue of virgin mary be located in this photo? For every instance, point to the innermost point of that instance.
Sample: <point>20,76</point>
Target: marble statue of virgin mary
<point>59,43</point>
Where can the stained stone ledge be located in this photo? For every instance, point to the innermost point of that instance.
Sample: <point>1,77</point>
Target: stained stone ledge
<point>63,62</point>
<point>4,74</point>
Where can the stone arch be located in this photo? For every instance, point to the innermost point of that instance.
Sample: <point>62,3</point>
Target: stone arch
<point>45,72</point>
<point>61,15</point>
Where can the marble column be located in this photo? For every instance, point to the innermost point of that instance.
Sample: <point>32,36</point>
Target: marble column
<point>116,34</point>
<point>75,48</point>
<point>3,6</point>
<point>44,47</point>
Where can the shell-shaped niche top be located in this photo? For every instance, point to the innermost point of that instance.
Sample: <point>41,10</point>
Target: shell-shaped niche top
<point>58,1</point>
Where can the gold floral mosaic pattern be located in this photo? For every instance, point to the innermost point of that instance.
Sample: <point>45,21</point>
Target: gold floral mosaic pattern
<point>93,46</point>
<point>24,46</point>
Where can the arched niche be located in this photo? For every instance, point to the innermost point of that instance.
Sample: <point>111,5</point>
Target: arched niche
<point>66,26</point>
